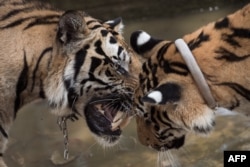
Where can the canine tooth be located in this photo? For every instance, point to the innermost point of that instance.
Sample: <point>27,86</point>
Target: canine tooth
<point>99,108</point>
<point>102,111</point>
<point>125,122</point>
<point>115,125</point>
<point>118,116</point>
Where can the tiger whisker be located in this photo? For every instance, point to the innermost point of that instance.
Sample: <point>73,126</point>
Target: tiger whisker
<point>73,103</point>
<point>186,153</point>
<point>166,158</point>
<point>100,100</point>
<point>109,105</point>
<point>91,146</point>
<point>171,158</point>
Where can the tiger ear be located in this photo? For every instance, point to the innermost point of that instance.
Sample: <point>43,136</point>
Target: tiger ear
<point>116,24</point>
<point>71,27</point>
<point>142,42</point>
<point>166,93</point>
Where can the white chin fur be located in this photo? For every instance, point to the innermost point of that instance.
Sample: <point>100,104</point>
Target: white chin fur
<point>105,144</point>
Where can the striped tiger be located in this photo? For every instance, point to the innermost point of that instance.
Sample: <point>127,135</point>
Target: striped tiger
<point>184,82</point>
<point>80,65</point>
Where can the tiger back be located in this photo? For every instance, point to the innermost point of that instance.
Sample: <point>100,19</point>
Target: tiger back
<point>78,64</point>
<point>168,101</point>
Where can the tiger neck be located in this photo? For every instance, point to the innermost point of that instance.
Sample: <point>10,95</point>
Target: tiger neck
<point>203,87</point>
<point>196,73</point>
<point>225,75</point>
<point>36,61</point>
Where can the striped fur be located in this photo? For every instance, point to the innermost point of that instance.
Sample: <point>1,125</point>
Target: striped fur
<point>79,64</point>
<point>168,102</point>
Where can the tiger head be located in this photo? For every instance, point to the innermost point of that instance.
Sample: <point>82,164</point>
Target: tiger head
<point>171,100</point>
<point>93,69</point>
<point>167,102</point>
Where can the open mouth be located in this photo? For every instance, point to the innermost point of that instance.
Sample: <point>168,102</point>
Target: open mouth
<point>107,116</point>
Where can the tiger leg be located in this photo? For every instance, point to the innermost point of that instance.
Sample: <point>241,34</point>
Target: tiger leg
<point>6,121</point>
<point>2,164</point>
<point>3,142</point>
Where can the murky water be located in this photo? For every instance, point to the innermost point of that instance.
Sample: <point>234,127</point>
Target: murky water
<point>36,141</point>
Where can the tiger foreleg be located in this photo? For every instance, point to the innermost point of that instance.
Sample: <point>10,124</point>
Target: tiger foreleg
<point>3,144</point>
<point>2,164</point>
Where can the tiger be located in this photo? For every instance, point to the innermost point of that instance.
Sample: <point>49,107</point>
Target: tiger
<point>169,102</point>
<point>79,65</point>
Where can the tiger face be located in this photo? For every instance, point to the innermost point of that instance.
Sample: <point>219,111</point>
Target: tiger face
<point>79,65</point>
<point>165,109</point>
<point>95,63</point>
<point>168,102</point>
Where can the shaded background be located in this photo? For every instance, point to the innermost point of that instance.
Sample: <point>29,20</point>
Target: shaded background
<point>36,141</point>
<point>142,9</point>
<point>163,18</point>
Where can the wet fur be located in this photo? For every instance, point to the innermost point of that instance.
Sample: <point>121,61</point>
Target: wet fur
<point>222,51</point>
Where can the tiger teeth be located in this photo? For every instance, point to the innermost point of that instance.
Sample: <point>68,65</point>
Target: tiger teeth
<point>99,108</point>
<point>118,116</point>
<point>125,122</point>
<point>115,125</point>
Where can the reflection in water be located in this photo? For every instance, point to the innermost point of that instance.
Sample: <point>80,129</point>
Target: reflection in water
<point>35,139</point>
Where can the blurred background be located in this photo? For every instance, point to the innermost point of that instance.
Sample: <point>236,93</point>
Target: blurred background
<point>35,139</point>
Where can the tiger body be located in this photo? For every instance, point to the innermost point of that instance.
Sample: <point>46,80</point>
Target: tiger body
<point>71,60</point>
<point>168,101</point>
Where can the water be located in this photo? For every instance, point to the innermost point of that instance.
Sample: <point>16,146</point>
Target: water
<point>35,139</point>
